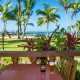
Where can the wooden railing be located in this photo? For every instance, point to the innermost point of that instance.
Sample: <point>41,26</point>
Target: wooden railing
<point>34,54</point>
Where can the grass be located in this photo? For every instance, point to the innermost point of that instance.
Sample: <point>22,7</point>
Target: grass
<point>12,44</point>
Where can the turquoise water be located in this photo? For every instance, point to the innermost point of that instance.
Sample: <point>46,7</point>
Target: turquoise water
<point>32,33</point>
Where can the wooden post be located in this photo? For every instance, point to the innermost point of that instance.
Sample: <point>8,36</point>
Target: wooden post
<point>0,66</point>
<point>52,59</point>
<point>15,60</point>
<point>72,57</point>
<point>33,60</point>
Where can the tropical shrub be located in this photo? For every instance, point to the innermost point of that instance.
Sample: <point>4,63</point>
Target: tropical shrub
<point>72,41</point>
<point>60,39</point>
<point>30,44</point>
<point>43,43</point>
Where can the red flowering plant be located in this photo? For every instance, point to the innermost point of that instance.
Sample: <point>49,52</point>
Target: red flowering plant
<point>43,43</point>
<point>30,44</point>
<point>72,41</point>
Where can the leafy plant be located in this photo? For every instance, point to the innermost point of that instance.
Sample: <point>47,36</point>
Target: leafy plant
<point>30,44</point>
<point>72,41</point>
<point>59,36</point>
<point>43,43</point>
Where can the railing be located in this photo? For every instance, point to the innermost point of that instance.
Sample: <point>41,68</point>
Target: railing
<point>34,54</point>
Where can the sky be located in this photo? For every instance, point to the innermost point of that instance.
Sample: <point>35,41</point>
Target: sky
<point>11,25</point>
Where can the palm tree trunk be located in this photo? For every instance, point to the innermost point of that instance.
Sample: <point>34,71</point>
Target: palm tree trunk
<point>18,19</point>
<point>3,36</point>
<point>27,22</point>
<point>25,27</point>
<point>20,28</point>
<point>47,28</point>
<point>76,17</point>
<point>6,30</point>
<point>76,27</point>
<point>69,21</point>
<point>24,31</point>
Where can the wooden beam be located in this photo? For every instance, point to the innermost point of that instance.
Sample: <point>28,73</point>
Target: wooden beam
<point>38,53</point>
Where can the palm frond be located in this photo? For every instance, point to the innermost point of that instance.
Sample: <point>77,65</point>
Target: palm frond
<point>55,16</point>
<point>33,4</point>
<point>9,4</point>
<point>10,16</point>
<point>53,9</point>
<point>69,5</point>
<point>66,2</point>
<point>69,28</point>
<point>30,24</point>
<point>72,16</point>
<point>25,3</point>
<point>61,2</point>
<point>41,21</point>
<point>45,6</point>
<point>1,8</point>
<point>39,12</point>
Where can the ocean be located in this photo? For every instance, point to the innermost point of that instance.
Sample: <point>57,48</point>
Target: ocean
<point>32,33</point>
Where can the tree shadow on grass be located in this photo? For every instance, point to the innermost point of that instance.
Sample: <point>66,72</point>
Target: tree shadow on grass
<point>15,41</point>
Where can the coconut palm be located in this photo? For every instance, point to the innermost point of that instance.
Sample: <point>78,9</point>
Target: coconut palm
<point>74,9</point>
<point>29,5</point>
<point>18,17</point>
<point>6,14</point>
<point>66,5</point>
<point>23,22</point>
<point>77,26</point>
<point>48,15</point>
<point>15,11</point>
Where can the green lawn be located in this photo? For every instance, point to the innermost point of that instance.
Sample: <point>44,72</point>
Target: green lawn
<point>12,44</point>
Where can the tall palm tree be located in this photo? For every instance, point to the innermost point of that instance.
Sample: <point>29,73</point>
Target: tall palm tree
<point>29,5</point>
<point>77,26</point>
<point>74,9</point>
<point>6,14</point>
<point>17,19</point>
<point>23,22</point>
<point>48,15</point>
<point>66,5</point>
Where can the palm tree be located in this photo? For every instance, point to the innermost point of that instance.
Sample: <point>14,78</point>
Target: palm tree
<point>77,27</point>
<point>48,14</point>
<point>23,22</point>
<point>17,19</point>
<point>6,15</point>
<point>66,5</point>
<point>74,9</point>
<point>29,5</point>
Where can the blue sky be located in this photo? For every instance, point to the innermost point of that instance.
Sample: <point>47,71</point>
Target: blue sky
<point>11,25</point>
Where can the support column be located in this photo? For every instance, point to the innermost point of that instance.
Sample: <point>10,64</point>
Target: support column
<point>33,60</point>
<point>52,59</point>
<point>15,60</point>
<point>0,65</point>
